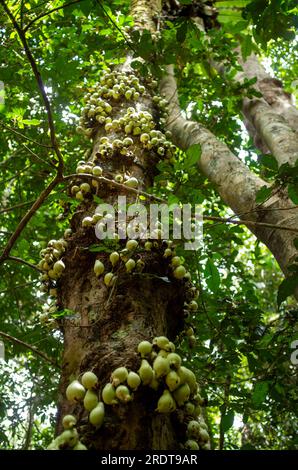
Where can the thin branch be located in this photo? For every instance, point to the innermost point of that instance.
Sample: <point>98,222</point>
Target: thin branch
<point>24,136</point>
<point>152,196</point>
<point>19,286</point>
<point>41,87</point>
<point>104,180</point>
<point>130,45</point>
<point>50,164</point>
<point>22,261</point>
<point>39,201</point>
<point>30,347</point>
<point>16,206</point>
<point>42,15</point>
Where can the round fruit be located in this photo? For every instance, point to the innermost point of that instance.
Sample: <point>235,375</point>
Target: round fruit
<point>108,279</point>
<point>69,421</point>
<point>109,395</point>
<point>145,372</point>
<point>161,366</point>
<point>181,394</point>
<point>179,272</point>
<point>190,444</point>
<point>98,267</point>
<point>89,380</point>
<point>97,415</point>
<point>172,380</point>
<point>119,376</point>
<point>114,258</point>
<point>90,400</point>
<point>75,391</point>
<point>166,403</point>
<point>123,393</point>
<point>131,245</point>
<point>174,360</point>
<point>144,348</point>
<point>133,380</point>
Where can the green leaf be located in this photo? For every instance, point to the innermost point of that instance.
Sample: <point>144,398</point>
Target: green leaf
<point>193,155</point>
<point>263,194</point>
<point>260,392</point>
<point>31,122</point>
<point>269,161</point>
<point>212,276</point>
<point>227,421</point>
<point>293,193</point>
<point>287,288</point>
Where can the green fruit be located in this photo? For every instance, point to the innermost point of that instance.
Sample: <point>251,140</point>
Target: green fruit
<point>109,395</point>
<point>98,268</point>
<point>133,380</point>
<point>69,437</point>
<point>190,408</point>
<point>79,446</point>
<point>123,394</point>
<point>192,341</point>
<point>144,348</point>
<point>163,353</point>
<point>145,372</point>
<point>130,265</point>
<point>108,279</point>
<point>176,261</point>
<point>75,391</point>
<point>193,306</point>
<point>114,258</point>
<point>148,246</point>
<point>87,221</point>
<point>167,253</point>
<point>90,400</point>
<point>89,380</point>
<point>190,444</point>
<point>182,394</point>
<point>132,182</point>
<point>187,376</point>
<point>67,233</point>
<point>79,196</point>
<point>179,272</point>
<point>193,429</point>
<point>59,267</point>
<point>172,380</point>
<point>119,376</point>
<point>161,366</point>
<point>161,342</point>
<point>118,179</point>
<point>204,436</point>
<point>69,421</point>
<point>198,399</point>
<point>131,245</point>
<point>174,360</point>
<point>154,384</point>
<point>97,171</point>
<point>97,415</point>
<point>85,188</point>
<point>170,347</point>
<point>166,403</point>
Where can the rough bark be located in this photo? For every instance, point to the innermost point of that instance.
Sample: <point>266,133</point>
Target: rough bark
<point>105,324</point>
<point>273,120</point>
<point>235,183</point>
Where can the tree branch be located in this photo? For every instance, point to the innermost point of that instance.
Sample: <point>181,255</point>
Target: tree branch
<point>41,87</point>
<point>30,347</point>
<point>104,180</point>
<point>22,261</point>
<point>42,15</point>
<point>28,216</point>
<point>24,136</point>
<point>11,208</point>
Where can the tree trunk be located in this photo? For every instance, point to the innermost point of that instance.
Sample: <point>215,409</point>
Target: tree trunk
<point>105,323</point>
<point>272,119</point>
<point>235,183</point>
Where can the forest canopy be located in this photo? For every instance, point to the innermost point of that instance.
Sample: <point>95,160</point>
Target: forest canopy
<point>194,102</point>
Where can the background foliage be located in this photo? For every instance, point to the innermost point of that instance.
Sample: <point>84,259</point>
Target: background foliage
<point>242,354</point>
